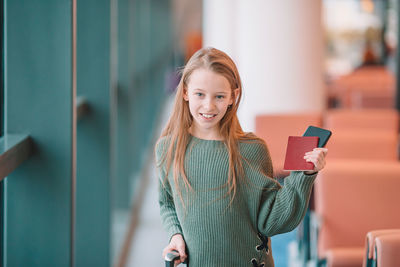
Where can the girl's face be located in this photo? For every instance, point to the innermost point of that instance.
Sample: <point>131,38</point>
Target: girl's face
<point>209,95</point>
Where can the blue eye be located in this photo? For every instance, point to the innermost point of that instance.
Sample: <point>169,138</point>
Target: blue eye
<point>199,94</point>
<point>220,96</point>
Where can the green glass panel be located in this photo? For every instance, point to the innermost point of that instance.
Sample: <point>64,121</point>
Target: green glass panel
<point>93,212</point>
<point>39,103</point>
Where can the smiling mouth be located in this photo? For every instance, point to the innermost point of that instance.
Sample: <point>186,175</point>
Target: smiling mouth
<point>208,116</point>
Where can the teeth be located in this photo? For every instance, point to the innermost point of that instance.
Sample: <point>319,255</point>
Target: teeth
<point>207,116</point>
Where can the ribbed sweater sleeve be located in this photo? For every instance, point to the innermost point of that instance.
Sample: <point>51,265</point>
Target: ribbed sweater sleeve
<point>282,212</point>
<point>168,214</point>
<point>168,211</point>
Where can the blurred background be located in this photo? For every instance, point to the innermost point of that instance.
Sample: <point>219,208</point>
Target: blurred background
<point>87,87</point>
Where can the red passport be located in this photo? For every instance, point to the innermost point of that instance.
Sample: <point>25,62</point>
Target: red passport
<point>296,149</point>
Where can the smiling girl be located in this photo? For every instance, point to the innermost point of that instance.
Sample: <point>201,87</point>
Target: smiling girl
<point>218,200</point>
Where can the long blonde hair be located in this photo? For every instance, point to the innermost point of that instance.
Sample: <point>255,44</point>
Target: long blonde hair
<point>177,129</point>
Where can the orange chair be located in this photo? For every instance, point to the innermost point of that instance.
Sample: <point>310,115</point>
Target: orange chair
<point>364,119</point>
<point>351,199</point>
<point>363,82</point>
<point>363,134</point>
<point>353,97</point>
<point>387,250</point>
<point>275,130</point>
<point>363,145</point>
<point>372,99</point>
<point>345,257</point>
<point>370,242</point>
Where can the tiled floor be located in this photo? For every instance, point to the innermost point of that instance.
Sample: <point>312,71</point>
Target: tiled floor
<point>150,238</point>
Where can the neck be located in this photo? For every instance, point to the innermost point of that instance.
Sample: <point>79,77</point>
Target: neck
<point>208,135</point>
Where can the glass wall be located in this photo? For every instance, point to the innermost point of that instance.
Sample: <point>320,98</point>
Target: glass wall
<point>358,32</point>
<point>145,51</point>
<point>360,54</point>
<point>86,81</point>
<point>1,132</point>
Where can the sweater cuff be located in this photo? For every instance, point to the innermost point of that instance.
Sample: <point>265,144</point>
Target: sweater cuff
<point>299,179</point>
<point>173,230</point>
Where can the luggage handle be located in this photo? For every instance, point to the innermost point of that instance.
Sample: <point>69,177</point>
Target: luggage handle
<point>171,257</point>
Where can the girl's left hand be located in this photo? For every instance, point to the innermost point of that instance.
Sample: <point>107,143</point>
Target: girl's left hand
<point>317,157</point>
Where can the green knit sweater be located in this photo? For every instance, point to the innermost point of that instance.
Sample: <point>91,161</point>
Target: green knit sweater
<point>215,233</point>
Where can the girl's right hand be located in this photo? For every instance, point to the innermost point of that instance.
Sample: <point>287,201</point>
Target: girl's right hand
<point>177,243</point>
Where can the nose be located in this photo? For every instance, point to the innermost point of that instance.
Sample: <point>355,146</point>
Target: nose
<point>209,104</point>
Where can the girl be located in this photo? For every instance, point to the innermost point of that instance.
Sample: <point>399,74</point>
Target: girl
<point>217,199</point>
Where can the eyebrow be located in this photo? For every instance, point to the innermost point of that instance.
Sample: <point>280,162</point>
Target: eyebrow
<point>198,89</point>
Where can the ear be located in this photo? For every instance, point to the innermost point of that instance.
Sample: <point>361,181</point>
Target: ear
<point>185,95</point>
<point>235,94</point>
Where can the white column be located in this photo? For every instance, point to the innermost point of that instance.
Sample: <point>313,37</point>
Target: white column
<point>219,25</point>
<point>278,48</point>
